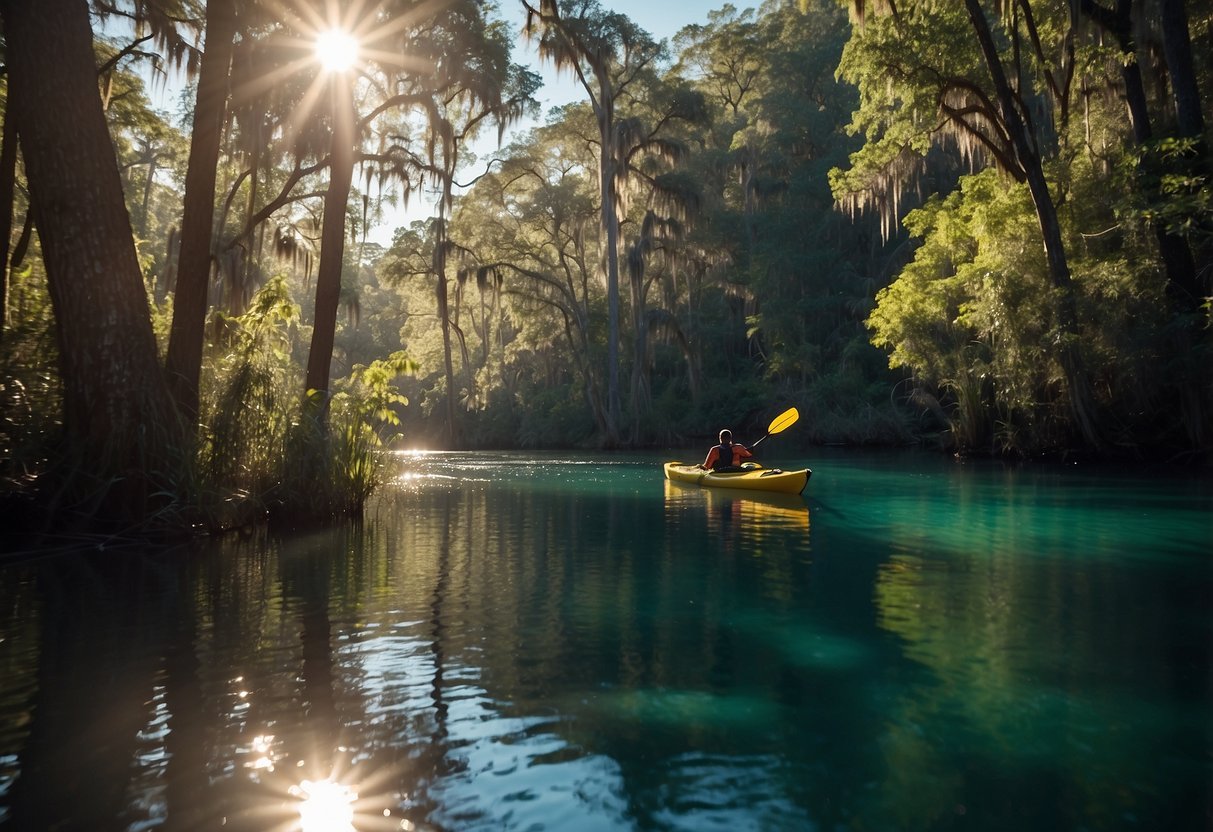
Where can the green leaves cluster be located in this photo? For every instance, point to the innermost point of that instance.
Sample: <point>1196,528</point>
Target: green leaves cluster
<point>972,313</point>
<point>1067,258</point>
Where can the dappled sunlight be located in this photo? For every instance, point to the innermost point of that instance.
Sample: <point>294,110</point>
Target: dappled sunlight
<point>568,474</point>
<point>262,750</point>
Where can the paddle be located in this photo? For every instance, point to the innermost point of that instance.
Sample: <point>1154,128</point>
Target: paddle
<point>781,423</point>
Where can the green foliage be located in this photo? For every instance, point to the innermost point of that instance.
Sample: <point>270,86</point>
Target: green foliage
<point>263,450</point>
<point>553,418</point>
<point>844,407</point>
<point>971,318</point>
<point>30,388</point>
<point>1185,187</point>
<point>970,314</point>
<point>372,390</point>
<point>248,403</point>
<point>992,332</point>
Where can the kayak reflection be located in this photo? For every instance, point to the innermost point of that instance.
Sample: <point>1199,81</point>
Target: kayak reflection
<point>736,515</point>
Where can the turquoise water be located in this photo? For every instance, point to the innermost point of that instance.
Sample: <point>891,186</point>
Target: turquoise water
<point>570,642</point>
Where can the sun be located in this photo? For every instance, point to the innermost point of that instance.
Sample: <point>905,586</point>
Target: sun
<point>336,49</point>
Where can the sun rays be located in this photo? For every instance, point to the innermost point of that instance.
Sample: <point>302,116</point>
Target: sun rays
<point>336,50</point>
<point>365,43</point>
<point>318,794</point>
<point>325,806</point>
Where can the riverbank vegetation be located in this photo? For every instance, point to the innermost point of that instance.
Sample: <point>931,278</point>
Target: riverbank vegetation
<point>985,226</point>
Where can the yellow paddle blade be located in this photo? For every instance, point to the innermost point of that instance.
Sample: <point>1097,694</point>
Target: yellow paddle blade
<point>784,421</point>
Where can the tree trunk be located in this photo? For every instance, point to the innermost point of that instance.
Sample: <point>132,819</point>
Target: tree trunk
<point>187,334</point>
<point>1177,46</point>
<point>332,241</point>
<point>444,315</point>
<point>1182,282</point>
<point>8,178</point>
<point>640,355</point>
<point>117,412</point>
<point>242,269</point>
<point>146,208</point>
<point>1196,398</point>
<point>1078,382</point>
<point>590,387</point>
<point>610,227</point>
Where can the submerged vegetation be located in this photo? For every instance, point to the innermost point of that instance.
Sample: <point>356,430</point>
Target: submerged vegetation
<point>983,225</point>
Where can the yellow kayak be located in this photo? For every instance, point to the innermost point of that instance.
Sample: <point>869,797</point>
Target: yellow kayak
<point>752,477</point>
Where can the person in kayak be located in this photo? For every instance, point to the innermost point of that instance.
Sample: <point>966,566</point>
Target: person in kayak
<point>726,456</point>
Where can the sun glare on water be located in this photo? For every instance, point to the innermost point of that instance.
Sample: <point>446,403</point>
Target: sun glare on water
<point>336,49</point>
<point>325,806</point>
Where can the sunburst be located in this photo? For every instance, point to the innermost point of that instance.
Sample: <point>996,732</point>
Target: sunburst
<point>337,50</point>
<point>334,796</point>
<point>330,40</point>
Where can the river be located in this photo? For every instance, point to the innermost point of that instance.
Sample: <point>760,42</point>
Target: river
<point>550,642</point>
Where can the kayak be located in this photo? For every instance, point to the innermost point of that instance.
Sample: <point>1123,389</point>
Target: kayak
<point>752,477</point>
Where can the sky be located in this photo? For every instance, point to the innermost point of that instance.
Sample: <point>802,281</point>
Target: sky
<point>660,18</point>
<point>663,18</point>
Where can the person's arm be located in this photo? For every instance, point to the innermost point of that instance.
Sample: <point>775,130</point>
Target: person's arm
<point>741,452</point>
<point>711,460</point>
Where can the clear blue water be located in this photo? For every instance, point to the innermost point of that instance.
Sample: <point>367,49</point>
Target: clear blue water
<point>570,642</point>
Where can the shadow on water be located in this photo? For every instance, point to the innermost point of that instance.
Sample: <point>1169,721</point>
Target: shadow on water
<point>85,711</point>
<point>509,643</point>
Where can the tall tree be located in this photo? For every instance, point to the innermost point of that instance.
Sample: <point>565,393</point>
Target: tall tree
<point>117,410</point>
<point>608,55</point>
<point>402,55</point>
<point>649,150</point>
<point>1177,45</point>
<point>183,363</point>
<point>8,178</point>
<point>484,88</point>
<point>1174,249</point>
<point>1190,124</point>
<point>962,91</point>
<point>1026,153</point>
<point>781,280</point>
<point>531,223</point>
<point>332,235</point>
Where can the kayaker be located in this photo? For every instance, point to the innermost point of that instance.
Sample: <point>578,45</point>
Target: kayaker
<point>727,455</point>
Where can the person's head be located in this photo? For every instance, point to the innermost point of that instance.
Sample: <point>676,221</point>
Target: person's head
<point>726,436</point>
